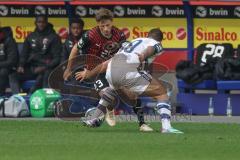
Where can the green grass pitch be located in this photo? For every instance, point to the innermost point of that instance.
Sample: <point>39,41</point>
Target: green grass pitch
<point>59,140</point>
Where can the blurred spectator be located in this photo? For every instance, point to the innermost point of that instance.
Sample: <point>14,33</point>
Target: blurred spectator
<point>75,33</point>
<point>40,54</point>
<point>8,56</point>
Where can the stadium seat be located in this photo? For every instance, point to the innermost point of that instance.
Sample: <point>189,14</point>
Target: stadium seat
<point>226,86</point>
<point>28,84</point>
<point>206,84</point>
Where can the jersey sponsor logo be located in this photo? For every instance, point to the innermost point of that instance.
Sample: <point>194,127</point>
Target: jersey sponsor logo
<point>201,11</point>
<point>237,11</point>
<point>157,11</point>
<point>3,10</point>
<point>81,11</point>
<point>40,10</point>
<point>219,35</point>
<point>119,11</point>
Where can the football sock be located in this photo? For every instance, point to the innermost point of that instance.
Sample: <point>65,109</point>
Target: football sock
<point>163,108</point>
<point>100,111</point>
<point>107,101</point>
<point>139,111</point>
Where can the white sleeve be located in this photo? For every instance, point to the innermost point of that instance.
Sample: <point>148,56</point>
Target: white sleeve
<point>157,46</point>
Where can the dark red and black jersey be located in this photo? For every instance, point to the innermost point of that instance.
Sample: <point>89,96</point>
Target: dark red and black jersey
<point>94,43</point>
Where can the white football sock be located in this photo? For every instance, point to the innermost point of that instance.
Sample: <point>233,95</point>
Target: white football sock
<point>166,123</point>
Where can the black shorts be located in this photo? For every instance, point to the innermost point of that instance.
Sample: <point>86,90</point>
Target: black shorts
<point>101,82</point>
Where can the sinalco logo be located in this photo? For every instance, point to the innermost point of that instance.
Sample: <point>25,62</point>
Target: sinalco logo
<point>40,10</point>
<point>201,11</point>
<point>3,10</point>
<point>157,11</point>
<point>81,11</point>
<point>119,11</point>
<point>237,11</point>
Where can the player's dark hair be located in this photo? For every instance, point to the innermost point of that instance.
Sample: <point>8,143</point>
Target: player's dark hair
<point>45,17</point>
<point>104,14</point>
<point>156,34</point>
<point>78,21</point>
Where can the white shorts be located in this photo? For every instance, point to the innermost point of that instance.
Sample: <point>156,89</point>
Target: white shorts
<point>123,71</point>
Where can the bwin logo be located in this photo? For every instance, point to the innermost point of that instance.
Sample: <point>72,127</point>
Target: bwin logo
<point>3,10</point>
<point>40,10</point>
<point>81,11</point>
<point>201,11</point>
<point>237,11</point>
<point>157,11</point>
<point>119,11</point>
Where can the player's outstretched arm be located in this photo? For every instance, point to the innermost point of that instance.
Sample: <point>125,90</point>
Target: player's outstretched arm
<point>86,74</point>
<point>73,54</point>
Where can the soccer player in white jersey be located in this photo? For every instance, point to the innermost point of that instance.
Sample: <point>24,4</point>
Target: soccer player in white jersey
<point>124,76</point>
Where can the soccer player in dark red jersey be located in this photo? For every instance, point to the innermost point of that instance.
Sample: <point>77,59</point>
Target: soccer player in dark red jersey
<point>103,41</point>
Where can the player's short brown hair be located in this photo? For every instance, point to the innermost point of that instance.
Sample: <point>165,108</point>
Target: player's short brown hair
<point>156,34</point>
<point>103,14</point>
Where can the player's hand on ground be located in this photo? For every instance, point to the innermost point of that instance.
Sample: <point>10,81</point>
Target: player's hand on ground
<point>20,70</point>
<point>67,73</point>
<point>80,76</point>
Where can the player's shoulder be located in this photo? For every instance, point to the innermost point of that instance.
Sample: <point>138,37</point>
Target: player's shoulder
<point>117,31</point>
<point>93,31</point>
<point>146,40</point>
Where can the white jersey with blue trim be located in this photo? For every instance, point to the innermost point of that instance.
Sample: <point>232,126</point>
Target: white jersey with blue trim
<point>139,45</point>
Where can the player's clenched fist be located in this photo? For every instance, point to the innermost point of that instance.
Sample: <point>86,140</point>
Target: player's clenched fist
<point>80,76</point>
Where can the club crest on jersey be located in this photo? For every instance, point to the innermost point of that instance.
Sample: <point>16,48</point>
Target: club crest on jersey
<point>111,47</point>
<point>2,49</point>
<point>45,42</point>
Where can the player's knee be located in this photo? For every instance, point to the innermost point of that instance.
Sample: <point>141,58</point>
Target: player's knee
<point>162,97</point>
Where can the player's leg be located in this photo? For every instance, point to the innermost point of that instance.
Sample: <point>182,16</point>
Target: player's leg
<point>100,85</point>
<point>157,91</point>
<point>138,110</point>
<point>132,99</point>
<point>108,99</point>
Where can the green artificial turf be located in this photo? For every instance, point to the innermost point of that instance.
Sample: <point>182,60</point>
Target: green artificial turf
<point>59,140</point>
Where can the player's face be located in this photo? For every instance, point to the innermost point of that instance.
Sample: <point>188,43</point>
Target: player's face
<point>105,27</point>
<point>75,29</point>
<point>41,23</point>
